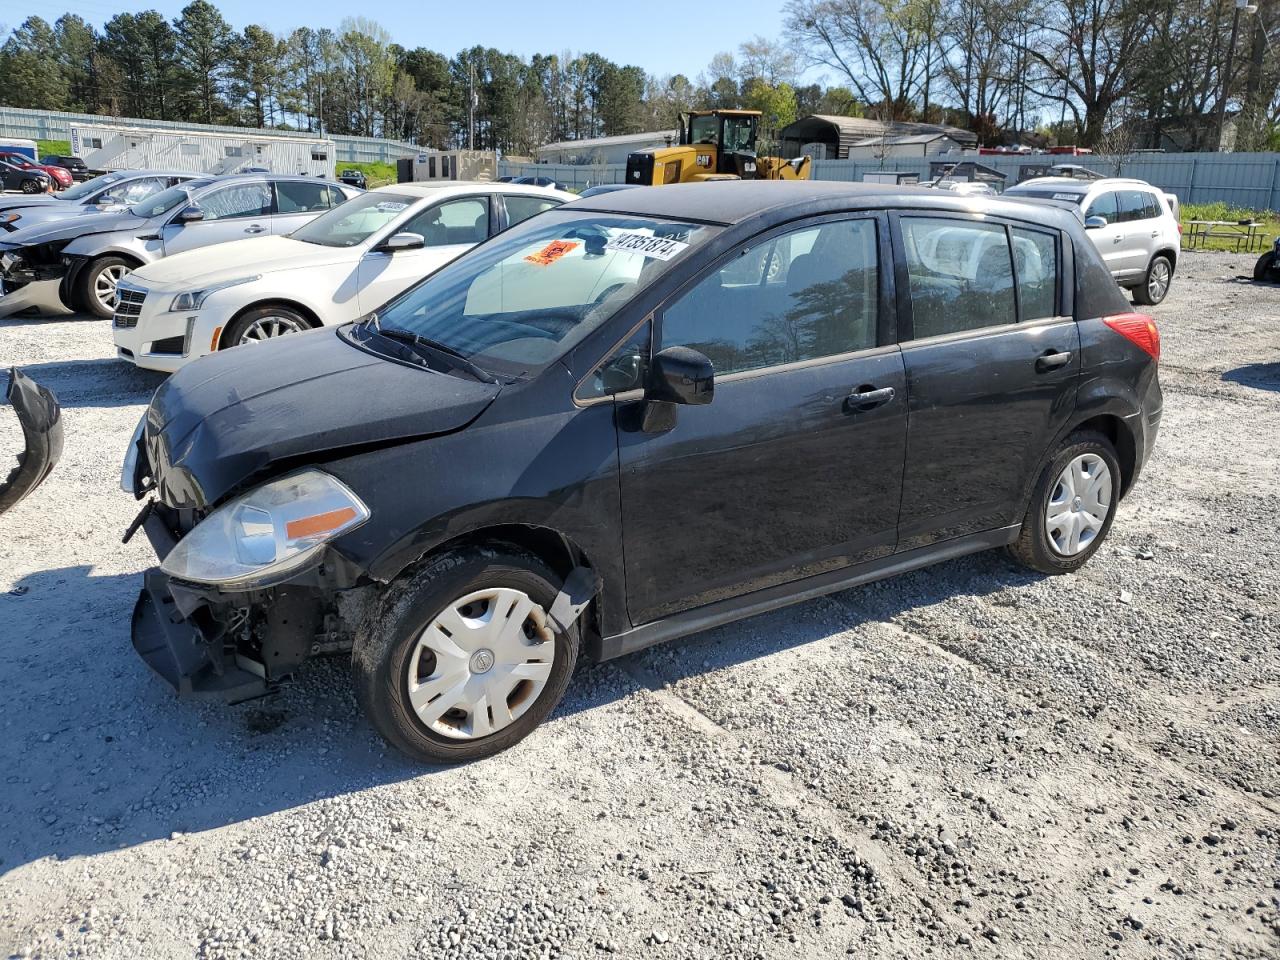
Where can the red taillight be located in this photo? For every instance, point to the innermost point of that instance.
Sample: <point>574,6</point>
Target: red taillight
<point>1137,328</point>
<point>1179,228</point>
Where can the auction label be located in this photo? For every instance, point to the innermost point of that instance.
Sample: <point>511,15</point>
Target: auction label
<point>660,248</point>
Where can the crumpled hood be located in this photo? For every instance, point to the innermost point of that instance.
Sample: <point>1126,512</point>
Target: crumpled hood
<point>235,261</point>
<point>72,227</point>
<point>229,417</point>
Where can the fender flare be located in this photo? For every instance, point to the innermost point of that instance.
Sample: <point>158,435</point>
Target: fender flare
<point>41,419</point>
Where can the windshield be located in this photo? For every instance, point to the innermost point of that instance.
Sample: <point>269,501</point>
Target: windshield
<point>517,303</point>
<point>87,187</point>
<point>354,221</point>
<point>166,200</point>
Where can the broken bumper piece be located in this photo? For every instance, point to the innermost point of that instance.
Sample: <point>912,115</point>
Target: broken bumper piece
<point>177,648</point>
<point>41,420</point>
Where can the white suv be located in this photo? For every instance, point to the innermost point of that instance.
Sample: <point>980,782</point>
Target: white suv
<point>1133,225</point>
<point>342,265</point>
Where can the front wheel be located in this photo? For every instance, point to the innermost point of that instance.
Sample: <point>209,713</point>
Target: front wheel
<point>1072,506</point>
<point>32,186</point>
<point>96,288</point>
<point>264,323</point>
<point>1155,285</point>
<point>460,660</point>
<point>1265,266</point>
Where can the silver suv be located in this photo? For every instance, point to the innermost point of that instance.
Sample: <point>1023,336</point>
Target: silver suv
<point>1133,225</point>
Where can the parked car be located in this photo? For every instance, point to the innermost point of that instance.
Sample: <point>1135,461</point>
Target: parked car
<point>1133,225</point>
<point>26,178</point>
<point>60,176</point>
<point>111,191</point>
<point>354,178</point>
<point>339,266</point>
<point>77,262</point>
<point>74,165</point>
<point>539,182</point>
<point>470,491</point>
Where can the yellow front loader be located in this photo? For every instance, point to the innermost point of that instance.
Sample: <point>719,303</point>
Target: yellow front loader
<point>714,145</point>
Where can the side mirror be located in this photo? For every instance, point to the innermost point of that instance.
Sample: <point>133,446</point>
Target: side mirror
<point>402,241</point>
<point>1095,223</point>
<point>191,214</point>
<point>681,375</point>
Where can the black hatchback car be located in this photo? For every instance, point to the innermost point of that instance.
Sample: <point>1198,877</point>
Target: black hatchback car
<point>628,419</point>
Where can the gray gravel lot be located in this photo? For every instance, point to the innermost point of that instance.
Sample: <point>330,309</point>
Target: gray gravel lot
<point>966,760</point>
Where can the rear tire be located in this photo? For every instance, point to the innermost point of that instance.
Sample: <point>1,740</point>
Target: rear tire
<point>1156,282</point>
<point>95,288</point>
<point>395,663</point>
<point>1265,266</point>
<point>1064,526</point>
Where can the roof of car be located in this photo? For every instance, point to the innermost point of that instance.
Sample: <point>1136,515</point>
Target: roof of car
<point>733,201</point>
<point>428,189</point>
<point>1075,185</point>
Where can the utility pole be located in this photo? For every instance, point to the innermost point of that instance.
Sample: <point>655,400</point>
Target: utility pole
<point>471,106</point>
<point>1242,6</point>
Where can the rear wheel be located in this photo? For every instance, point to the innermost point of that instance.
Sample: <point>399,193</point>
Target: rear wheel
<point>96,287</point>
<point>1072,506</point>
<point>265,323</point>
<point>460,660</point>
<point>1266,266</point>
<point>1155,285</point>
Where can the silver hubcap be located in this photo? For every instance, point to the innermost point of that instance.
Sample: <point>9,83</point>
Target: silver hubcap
<point>270,327</point>
<point>1158,284</point>
<point>104,287</point>
<point>1078,505</point>
<point>481,663</point>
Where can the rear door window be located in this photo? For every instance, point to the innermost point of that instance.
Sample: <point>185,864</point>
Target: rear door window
<point>960,274</point>
<point>293,196</point>
<point>522,208</point>
<point>802,295</point>
<point>1133,206</point>
<point>1035,257</point>
<point>241,200</point>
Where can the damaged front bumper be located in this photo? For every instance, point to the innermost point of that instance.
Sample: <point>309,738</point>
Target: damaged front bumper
<point>41,420</point>
<point>206,642</point>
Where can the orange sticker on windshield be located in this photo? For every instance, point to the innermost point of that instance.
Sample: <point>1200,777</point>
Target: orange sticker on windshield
<point>552,252</point>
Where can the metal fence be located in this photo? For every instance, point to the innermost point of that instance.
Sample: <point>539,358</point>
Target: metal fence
<point>52,125</point>
<point>1250,180</point>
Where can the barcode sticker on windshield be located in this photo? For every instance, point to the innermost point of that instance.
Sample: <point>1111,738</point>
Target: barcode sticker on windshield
<point>660,248</point>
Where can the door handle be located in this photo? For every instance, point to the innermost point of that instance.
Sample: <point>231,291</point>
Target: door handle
<point>1118,238</point>
<point>1155,234</point>
<point>1052,361</point>
<point>868,398</point>
<point>254,229</point>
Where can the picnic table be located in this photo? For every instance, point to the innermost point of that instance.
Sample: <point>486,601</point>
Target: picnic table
<point>1245,234</point>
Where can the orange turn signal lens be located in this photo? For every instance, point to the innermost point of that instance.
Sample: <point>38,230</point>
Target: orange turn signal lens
<point>320,523</point>
<point>213,342</point>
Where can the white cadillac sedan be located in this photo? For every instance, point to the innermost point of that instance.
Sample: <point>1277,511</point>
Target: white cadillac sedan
<point>338,267</point>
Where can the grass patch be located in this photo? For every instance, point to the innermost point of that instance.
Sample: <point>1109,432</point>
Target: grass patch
<point>58,148</point>
<point>1221,210</point>
<point>377,174</point>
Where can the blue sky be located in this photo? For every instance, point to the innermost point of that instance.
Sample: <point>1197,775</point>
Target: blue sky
<point>662,38</point>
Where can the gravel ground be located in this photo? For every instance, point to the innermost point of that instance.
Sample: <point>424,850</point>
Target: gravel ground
<point>968,759</point>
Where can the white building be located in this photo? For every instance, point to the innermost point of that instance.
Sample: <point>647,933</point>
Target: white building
<point>596,150</point>
<point>915,146</point>
<point>108,147</point>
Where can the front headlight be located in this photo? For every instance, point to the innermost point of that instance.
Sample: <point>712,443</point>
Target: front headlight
<point>130,469</point>
<point>271,530</point>
<point>194,299</point>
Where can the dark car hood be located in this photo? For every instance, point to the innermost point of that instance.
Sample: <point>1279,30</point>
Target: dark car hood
<point>233,416</point>
<point>72,227</point>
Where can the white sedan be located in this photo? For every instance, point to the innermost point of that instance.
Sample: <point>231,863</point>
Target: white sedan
<point>339,267</point>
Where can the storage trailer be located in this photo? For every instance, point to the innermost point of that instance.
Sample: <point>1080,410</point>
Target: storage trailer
<point>109,147</point>
<point>438,165</point>
<point>25,147</point>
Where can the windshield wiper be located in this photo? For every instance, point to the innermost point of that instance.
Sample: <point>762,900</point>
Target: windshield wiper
<point>408,336</point>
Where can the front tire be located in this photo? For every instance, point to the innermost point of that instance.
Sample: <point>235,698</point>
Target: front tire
<point>32,186</point>
<point>96,286</point>
<point>1265,265</point>
<point>1155,284</point>
<point>459,660</point>
<point>1072,507</point>
<point>264,323</point>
